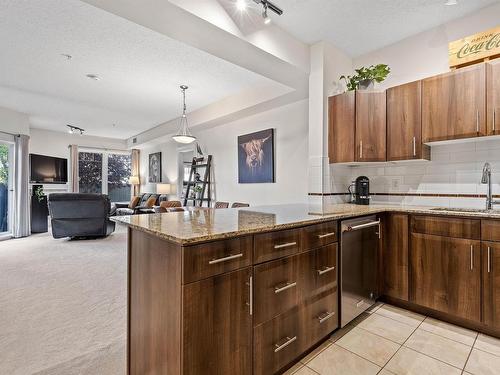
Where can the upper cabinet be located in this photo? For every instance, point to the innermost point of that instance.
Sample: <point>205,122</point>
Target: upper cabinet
<point>404,123</point>
<point>357,127</point>
<point>454,104</point>
<point>370,126</point>
<point>493,97</point>
<point>342,122</point>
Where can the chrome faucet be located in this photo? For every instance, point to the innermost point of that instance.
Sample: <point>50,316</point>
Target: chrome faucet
<point>486,179</point>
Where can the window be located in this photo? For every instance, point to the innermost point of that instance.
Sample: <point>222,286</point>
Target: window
<point>105,173</point>
<point>6,187</point>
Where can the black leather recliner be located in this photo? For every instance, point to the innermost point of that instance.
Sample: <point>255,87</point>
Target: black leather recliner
<point>80,215</point>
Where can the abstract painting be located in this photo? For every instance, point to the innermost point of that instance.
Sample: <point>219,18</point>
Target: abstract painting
<point>155,167</point>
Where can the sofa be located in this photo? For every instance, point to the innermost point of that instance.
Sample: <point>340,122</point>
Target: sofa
<point>78,215</point>
<point>122,209</point>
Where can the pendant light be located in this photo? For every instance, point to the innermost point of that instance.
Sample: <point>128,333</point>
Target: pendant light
<point>183,134</point>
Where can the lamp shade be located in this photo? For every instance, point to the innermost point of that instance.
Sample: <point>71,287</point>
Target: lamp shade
<point>163,189</point>
<point>134,180</point>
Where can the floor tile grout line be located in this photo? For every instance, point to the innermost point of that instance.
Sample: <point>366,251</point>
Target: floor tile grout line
<point>383,337</point>
<point>484,351</point>
<point>357,355</point>
<point>470,352</point>
<point>437,334</point>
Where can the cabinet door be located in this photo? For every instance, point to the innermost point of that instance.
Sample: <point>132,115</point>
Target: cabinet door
<point>404,123</point>
<point>370,126</point>
<point>491,283</point>
<point>217,325</point>
<point>493,96</point>
<point>454,104</point>
<point>446,275</point>
<point>341,126</point>
<point>395,256</point>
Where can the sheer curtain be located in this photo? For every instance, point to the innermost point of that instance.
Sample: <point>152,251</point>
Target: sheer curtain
<point>136,163</point>
<point>21,214</point>
<point>73,157</point>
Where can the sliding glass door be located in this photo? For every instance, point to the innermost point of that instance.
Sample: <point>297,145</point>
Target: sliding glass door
<point>6,187</point>
<point>105,172</point>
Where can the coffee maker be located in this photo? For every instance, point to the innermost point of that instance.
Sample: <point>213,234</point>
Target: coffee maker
<point>362,190</point>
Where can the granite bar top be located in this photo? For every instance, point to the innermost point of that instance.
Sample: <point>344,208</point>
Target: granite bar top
<point>190,227</point>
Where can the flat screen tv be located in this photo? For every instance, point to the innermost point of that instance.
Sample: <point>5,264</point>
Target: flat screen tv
<point>48,169</point>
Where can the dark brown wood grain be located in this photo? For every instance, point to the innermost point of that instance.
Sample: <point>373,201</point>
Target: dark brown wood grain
<point>370,126</point>
<point>217,325</point>
<point>274,245</point>
<point>341,127</point>
<point>443,275</point>
<point>454,104</point>
<point>490,230</point>
<point>269,335</point>
<point>493,97</point>
<point>395,256</point>
<point>314,236</point>
<point>491,284</point>
<point>447,226</point>
<point>268,277</point>
<point>155,305</point>
<point>404,123</point>
<point>197,258</point>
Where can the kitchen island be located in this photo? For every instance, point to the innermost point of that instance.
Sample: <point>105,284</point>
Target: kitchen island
<point>249,291</point>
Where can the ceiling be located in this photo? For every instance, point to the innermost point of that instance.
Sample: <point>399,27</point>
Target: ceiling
<point>361,26</point>
<point>140,70</point>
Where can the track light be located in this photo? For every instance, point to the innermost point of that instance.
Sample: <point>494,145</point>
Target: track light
<point>72,129</point>
<point>451,2</point>
<point>267,5</point>
<point>241,5</point>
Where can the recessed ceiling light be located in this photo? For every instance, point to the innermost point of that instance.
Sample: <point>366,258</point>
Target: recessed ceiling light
<point>68,57</point>
<point>241,5</point>
<point>95,77</point>
<point>451,2</point>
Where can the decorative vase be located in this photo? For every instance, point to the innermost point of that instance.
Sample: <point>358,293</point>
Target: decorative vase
<point>366,84</point>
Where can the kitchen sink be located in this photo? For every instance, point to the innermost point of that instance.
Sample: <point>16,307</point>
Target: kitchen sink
<point>471,210</point>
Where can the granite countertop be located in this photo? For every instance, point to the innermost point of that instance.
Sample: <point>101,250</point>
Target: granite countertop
<point>191,227</point>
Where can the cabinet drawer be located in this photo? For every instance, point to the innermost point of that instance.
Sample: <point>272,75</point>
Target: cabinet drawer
<point>214,258</point>
<point>490,230</point>
<point>276,343</point>
<point>274,245</point>
<point>319,317</point>
<point>276,287</point>
<point>317,271</point>
<point>318,235</point>
<point>447,226</point>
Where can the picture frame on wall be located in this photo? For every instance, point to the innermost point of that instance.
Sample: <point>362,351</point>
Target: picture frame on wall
<point>154,167</point>
<point>256,157</point>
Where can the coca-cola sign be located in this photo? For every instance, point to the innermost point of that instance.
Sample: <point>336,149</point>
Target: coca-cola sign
<point>475,48</point>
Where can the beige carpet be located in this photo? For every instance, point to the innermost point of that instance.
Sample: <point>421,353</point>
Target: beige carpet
<point>63,306</point>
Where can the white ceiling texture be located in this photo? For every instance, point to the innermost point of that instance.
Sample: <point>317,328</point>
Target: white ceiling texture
<point>140,70</point>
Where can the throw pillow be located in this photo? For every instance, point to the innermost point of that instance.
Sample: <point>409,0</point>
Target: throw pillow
<point>150,202</point>
<point>134,202</point>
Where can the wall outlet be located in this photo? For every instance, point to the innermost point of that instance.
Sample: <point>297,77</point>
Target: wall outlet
<point>395,183</point>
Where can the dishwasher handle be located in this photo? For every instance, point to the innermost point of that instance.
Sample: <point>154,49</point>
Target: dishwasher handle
<point>362,226</point>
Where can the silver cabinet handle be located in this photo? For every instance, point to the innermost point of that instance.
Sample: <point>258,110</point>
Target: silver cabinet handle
<point>325,317</point>
<point>289,340</point>
<point>471,257</point>
<point>279,289</point>
<point>414,146</point>
<point>494,119</point>
<point>477,120</point>
<point>225,259</point>
<point>489,259</point>
<point>325,270</point>
<point>250,294</point>
<point>361,149</point>
<point>361,226</point>
<point>285,245</point>
<point>326,235</point>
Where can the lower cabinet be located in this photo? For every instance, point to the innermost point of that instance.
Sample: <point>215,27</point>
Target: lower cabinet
<point>217,325</point>
<point>491,283</point>
<point>446,274</point>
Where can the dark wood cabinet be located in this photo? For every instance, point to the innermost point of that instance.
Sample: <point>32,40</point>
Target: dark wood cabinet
<point>493,97</point>
<point>218,325</point>
<point>404,123</point>
<point>274,245</point>
<point>454,104</point>
<point>446,275</point>
<point>395,256</point>
<point>491,283</point>
<point>370,126</point>
<point>342,124</point>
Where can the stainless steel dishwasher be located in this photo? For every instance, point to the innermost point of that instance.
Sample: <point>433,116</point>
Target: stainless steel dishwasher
<point>359,266</point>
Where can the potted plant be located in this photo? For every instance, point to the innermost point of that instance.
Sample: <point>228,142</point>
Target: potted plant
<point>198,190</point>
<point>365,78</point>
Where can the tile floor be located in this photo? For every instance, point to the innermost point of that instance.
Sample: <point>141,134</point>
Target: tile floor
<point>389,340</point>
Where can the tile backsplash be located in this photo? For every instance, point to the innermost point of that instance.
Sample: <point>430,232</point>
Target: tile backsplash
<point>454,169</point>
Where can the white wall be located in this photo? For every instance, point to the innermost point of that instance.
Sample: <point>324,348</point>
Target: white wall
<point>14,122</point>
<point>426,54</point>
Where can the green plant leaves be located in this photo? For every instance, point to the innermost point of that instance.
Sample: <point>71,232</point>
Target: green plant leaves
<point>376,73</point>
